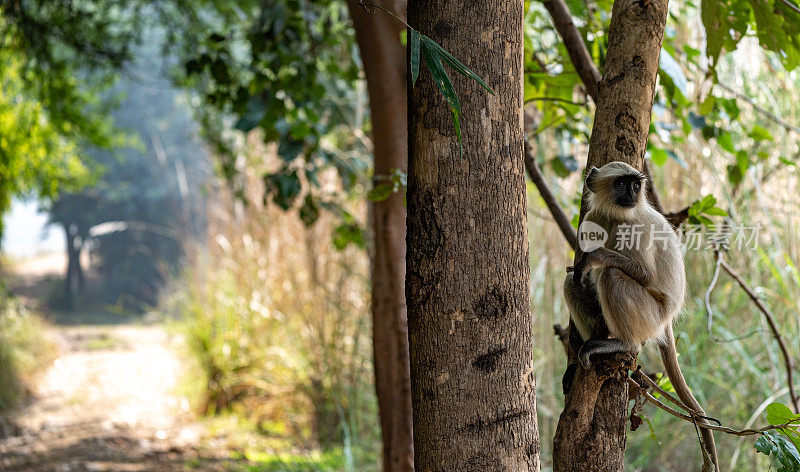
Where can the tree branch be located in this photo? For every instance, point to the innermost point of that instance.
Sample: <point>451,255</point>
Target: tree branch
<point>573,41</point>
<point>773,326</point>
<point>759,108</point>
<point>724,429</point>
<point>561,218</point>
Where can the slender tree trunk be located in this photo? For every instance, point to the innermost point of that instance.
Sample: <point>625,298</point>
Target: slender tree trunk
<point>468,264</point>
<point>68,281</point>
<point>383,56</point>
<point>79,268</point>
<point>591,430</point>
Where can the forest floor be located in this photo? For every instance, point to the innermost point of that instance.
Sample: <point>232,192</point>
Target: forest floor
<point>109,402</point>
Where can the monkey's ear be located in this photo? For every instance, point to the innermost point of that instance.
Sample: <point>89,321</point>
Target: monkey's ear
<point>590,178</point>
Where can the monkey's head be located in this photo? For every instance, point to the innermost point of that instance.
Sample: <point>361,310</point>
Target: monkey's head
<point>616,188</point>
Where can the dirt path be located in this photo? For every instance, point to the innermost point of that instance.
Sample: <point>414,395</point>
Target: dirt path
<point>108,403</point>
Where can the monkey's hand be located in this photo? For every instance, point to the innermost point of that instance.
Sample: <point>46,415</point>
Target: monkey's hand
<point>582,266</point>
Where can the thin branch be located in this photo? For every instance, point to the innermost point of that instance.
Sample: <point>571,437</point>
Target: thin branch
<point>773,326</point>
<point>724,429</point>
<point>554,99</point>
<point>792,6</point>
<point>677,217</point>
<point>710,289</point>
<point>652,194</point>
<point>561,218</point>
<point>365,6</point>
<point>573,41</point>
<point>759,108</point>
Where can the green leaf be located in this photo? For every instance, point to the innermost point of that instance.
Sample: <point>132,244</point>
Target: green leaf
<point>691,52</point>
<point>730,107</point>
<point>440,76</point>
<point>563,165</point>
<point>256,108</point>
<point>283,186</point>
<point>658,156</point>
<point>455,63</point>
<point>778,413</point>
<point>715,212</point>
<point>742,161</point>
<point>348,233</point>
<point>708,201</point>
<point>415,46</point>
<point>380,192</point>
<point>759,133</point>
<point>457,125</point>
<point>781,449</point>
<point>787,161</point>
<point>433,60</point>
<point>707,106</point>
<point>725,141</point>
<point>735,175</point>
<point>670,66</point>
<point>309,212</point>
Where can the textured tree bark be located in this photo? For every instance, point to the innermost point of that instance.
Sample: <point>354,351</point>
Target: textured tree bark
<point>591,430</point>
<point>468,266</point>
<point>384,59</point>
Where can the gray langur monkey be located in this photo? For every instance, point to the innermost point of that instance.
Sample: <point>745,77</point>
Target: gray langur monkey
<point>636,280</point>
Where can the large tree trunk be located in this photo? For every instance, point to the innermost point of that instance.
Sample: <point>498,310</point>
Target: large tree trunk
<point>468,266</point>
<point>591,430</point>
<point>383,56</point>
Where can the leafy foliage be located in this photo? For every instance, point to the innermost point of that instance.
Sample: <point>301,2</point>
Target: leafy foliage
<point>393,183</point>
<point>35,158</point>
<point>55,59</point>
<point>784,443</point>
<point>776,24</point>
<point>701,209</point>
<point>290,70</point>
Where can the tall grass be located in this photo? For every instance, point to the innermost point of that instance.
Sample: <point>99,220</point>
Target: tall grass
<point>24,351</point>
<point>278,323</point>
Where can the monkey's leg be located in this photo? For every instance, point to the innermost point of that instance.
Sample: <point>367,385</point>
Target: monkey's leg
<point>584,308</point>
<point>632,315</point>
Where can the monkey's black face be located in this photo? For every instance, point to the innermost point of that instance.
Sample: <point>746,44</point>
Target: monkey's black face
<point>627,189</point>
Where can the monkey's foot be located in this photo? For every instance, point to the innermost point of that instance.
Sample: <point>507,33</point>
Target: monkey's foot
<point>599,346</point>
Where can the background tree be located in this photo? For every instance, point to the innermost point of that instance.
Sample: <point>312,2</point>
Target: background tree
<point>384,60</point>
<point>319,105</point>
<point>147,196</point>
<point>467,270</point>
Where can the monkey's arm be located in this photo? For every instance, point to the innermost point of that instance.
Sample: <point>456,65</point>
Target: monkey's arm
<point>604,258</point>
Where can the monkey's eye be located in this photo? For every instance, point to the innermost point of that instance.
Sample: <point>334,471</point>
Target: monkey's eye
<point>637,186</point>
<point>620,184</point>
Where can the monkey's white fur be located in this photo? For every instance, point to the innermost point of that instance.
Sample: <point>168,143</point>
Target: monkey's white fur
<point>658,251</point>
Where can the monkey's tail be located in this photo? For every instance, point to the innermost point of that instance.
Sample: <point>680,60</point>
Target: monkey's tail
<point>669,356</point>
